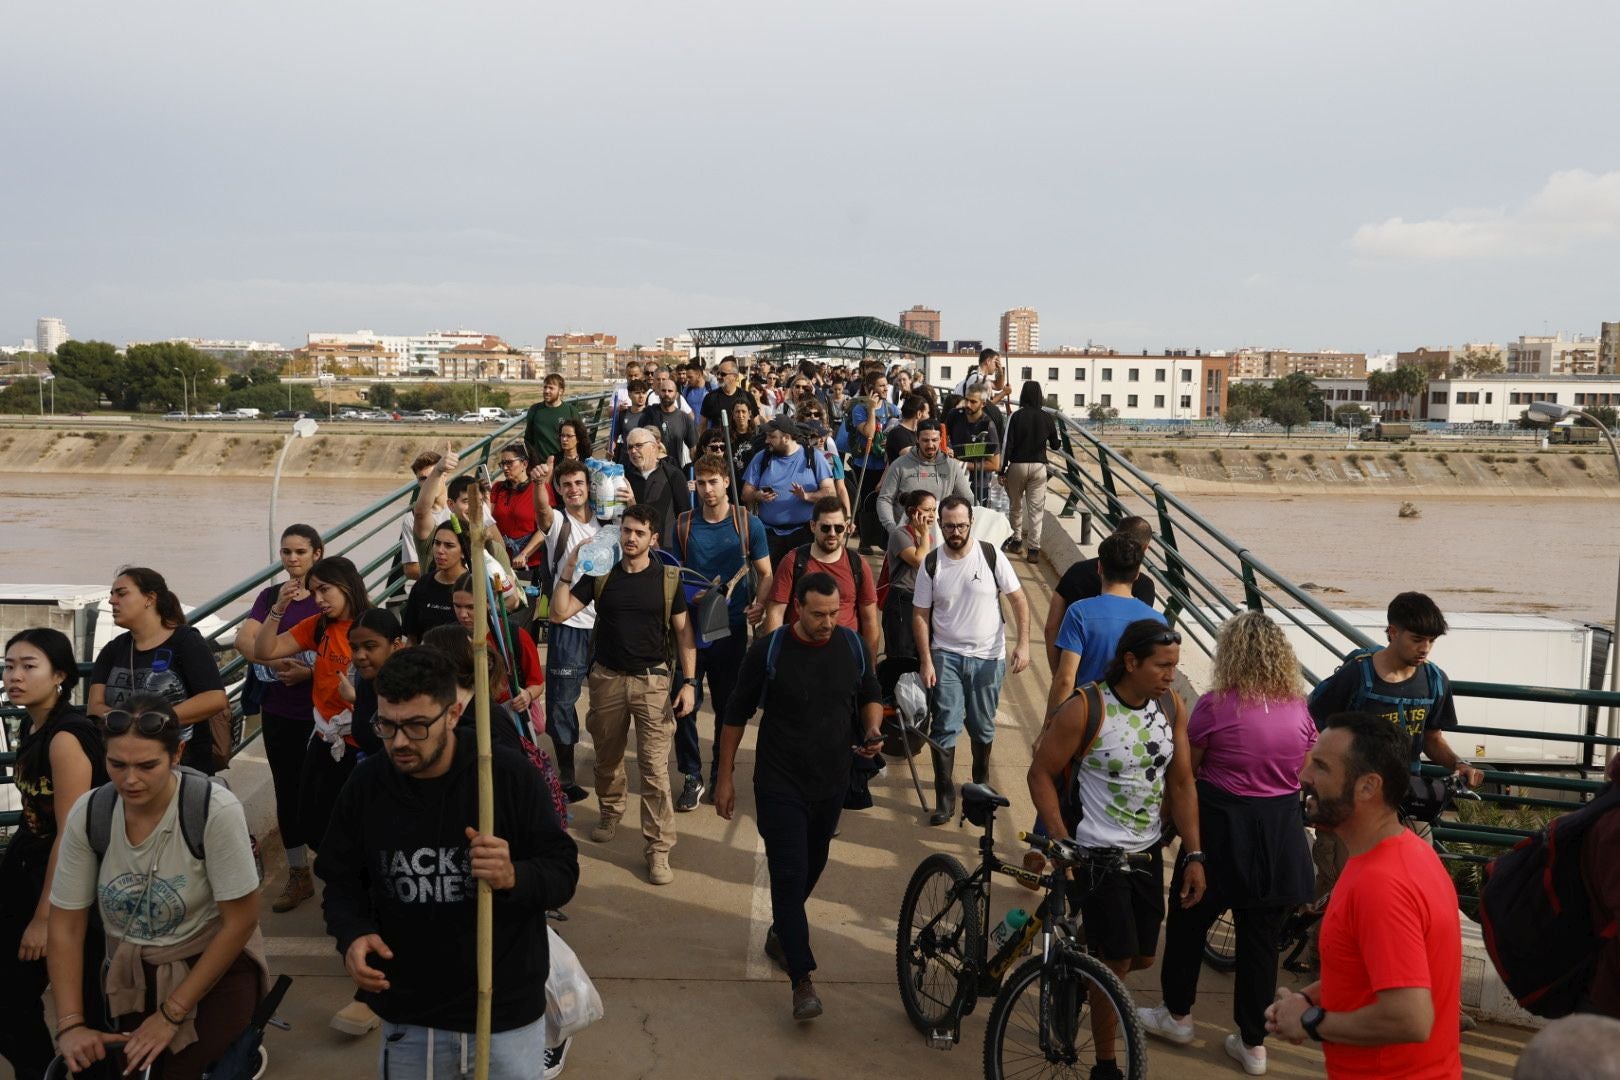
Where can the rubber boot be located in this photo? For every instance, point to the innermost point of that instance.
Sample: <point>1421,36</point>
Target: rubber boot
<point>944,786</point>
<point>981,762</point>
<point>564,757</point>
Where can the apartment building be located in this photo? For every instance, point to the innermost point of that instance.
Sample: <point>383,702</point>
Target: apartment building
<point>921,320</point>
<point>583,357</point>
<point>1141,387</point>
<point>1020,331</point>
<point>1278,363</point>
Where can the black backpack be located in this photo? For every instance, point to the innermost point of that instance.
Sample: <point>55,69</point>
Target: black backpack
<point>1536,915</point>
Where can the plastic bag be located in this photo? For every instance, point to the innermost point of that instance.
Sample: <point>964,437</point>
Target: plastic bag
<point>572,1003</point>
<point>996,497</point>
<point>607,482</point>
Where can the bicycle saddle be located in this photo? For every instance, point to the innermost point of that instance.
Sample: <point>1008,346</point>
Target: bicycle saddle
<point>983,795</point>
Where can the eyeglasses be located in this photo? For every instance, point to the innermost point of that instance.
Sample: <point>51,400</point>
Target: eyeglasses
<point>507,463</point>
<point>832,528</point>
<point>149,724</point>
<point>808,415</point>
<point>415,730</point>
<point>956,526</point>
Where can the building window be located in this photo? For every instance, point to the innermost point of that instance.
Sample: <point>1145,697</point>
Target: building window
<point>1186,375</point>
<point>1130,401</point>
<point>1552,399</point>
<point>1134,375</point>
<point>1186,401</point>
<point>1051,401</point>
<point>1106,400</point>
<point>1437,397</point>
<point>1159,374</point>
<point>1158,401</point>
<point>1079,401</point>
<point>1051,374</point>
<point>1487,397</point>
<point>1464,397</point>
<point>945,372</point>
<point>1108,374</point>
<point>1027,373</point>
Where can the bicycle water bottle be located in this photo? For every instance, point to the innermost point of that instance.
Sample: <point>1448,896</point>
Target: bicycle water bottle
<point>1009,939</point>
<point>1008,929</point>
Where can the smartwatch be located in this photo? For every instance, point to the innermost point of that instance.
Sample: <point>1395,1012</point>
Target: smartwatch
<point>1310,1019</point>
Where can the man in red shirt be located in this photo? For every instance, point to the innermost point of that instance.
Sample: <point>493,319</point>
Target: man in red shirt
<point>1391,944</point>
<point>829,554</point>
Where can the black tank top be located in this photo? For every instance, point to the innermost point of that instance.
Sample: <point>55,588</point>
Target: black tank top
<point>35,783</point>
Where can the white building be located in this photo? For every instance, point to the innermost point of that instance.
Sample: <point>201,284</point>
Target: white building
<point>1500,399</point>
<point>1555,355</point>
<point>50,332</point>
<point>1177,387</point>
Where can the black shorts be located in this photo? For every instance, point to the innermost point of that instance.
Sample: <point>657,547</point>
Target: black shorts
<point>1122,915</point>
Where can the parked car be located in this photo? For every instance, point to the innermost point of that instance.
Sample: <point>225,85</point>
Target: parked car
<point>288,414</point>
<point>469,418</point>
<point>176,415</point>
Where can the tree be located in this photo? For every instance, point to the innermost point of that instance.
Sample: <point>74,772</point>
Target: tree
<point>1604,414</point>
<point>268,399</point>
<point>166,375</point>
<point>1101,414</point>
<point>1288,413</point>
<point>1479,361</point>
<point>1409,384</point>
<point>1300,387</point>
<point>1350,415</point>
<point>1245,401</point>
<point>381,396</point>
<point>28,398</point>
<point>94,364</point>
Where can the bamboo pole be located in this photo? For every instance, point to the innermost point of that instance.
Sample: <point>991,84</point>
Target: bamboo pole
<point>486,782</point>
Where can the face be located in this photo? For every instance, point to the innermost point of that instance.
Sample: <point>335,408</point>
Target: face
<point>957,525</point>
<point>568,439</point>
<point>633,371</point>
<point>642,452</point>
<point>741,415</point>
<point>446,550</point>
<point>928,444</point>
<point>694,378</point>
<point>330,599</point>
<point>297,556</point>
<point>880,387</point>
<point>711,489</point>
<point>818,616</point>
<point>368,649</point>
<point>514,467</point>
<point>575,489</point>
<point>830,531</point>
<point>974,405</point>
<point>551,393</point>
<point>635,538</point>
<point>139,767</point>
<point>779,444</point>
<point>462,604</point>
<point>1155,673</point>
<point>1409,648</point>
<point>924,513</point>
<point>128,602</point>
<point>30,679</point>
<point>638,398</point>
<point>420,715</point>
<point>1330,798</point>
<point>728,377</point>
<point>666,394</point>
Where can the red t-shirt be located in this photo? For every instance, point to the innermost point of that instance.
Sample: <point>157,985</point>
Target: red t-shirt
<point>513,511</point>
<point>1392,924</point>
<point>848,614</point>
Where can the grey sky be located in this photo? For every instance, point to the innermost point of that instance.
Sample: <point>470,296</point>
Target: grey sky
<point>1369,175</point>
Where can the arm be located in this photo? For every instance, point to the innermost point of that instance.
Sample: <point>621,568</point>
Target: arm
<point>564,604</point>
<point>411,570</point>
<point>887,515</point>
<point>95,700</point>
<point>870,626</point>
<point>1437,750</point>
<point>546,874</point>
<point>774,614</point>
<point>686,655</point>
<point>432,492</point>
<point>271,643</point>
<point>539,477</point>
<point>914,555</point>
<point>762,575</point>
<point>1057,745</point>
<point>1183,793</point>
<point>919,633</point>
<point>1068,666</point>
<point>71,774</point>
<point>744,699</point>
<point>1403,1015</point>
<point>1020,606</point>
<point>1054,622</point>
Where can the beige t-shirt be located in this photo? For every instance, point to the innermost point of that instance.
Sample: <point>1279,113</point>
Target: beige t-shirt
<point>183,892</point>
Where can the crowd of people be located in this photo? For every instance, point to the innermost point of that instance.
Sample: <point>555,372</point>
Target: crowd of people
<point>750,502</point>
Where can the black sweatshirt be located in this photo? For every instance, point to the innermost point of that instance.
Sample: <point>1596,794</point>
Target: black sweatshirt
<point>395,862</point>
<point>1029,433</point>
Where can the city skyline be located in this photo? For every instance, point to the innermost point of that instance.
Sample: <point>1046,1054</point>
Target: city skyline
<point>1287,176</point>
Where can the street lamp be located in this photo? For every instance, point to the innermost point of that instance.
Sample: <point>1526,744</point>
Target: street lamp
<point>301,429</point>
<point>1548,412</point>
<point>185,401</point>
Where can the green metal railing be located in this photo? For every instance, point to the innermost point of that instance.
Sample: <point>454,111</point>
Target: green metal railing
<point>346,538</point>
<point>1206,577</point>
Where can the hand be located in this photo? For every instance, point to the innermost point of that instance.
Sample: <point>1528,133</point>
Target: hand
<point>1471,776</point>
<point>684,700</point>
<point>626,495</point>
<point>147,1042</point>
<point>520,701</point>
<point>926,670</point>
<point>83,1046</point>
<point>1192,884</point>
<point>725,797</point>
<point>292,672</point>
<point>869,750</point>
<point>33,940</point>
<point>492,860</point>
<point>541,473</point>
<point>356,962</point>
<point>754,613</point>
<point>799,492</point>
<point>766,495</point>
<point>1282,1017</point>
<point>1020,659</point>
<point>290,591</point>
<point>449,463</point>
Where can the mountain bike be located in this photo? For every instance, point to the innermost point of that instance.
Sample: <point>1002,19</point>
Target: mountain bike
<point>1053,1013</point>
<point>1220,944</point>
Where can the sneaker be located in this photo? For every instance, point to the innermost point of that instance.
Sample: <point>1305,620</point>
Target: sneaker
<point>1252,1058</point>
<point>355,1018</point>
<point>555,1056</point>
<point>774,950</point>
<point>1107,1070</point>
<point>1012,545</point>
<point>1033,555</point>
<point>658,871</point>
<point>574,793</point>
<point>605,830</point>
<point>806,1005</point>
<point>1158,1021</point>
<point>300,887</point>
<point>690,794</point>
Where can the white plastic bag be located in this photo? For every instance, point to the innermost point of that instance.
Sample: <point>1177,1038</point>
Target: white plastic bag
<point>572,1003</point>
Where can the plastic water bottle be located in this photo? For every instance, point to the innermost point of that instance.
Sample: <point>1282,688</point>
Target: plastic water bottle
<point>599,554</point>
<point>165,683</point>
<point>1008,929</point>
<point>1009,939</point>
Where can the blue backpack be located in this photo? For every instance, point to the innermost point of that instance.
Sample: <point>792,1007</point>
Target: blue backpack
<point>1365,692</point>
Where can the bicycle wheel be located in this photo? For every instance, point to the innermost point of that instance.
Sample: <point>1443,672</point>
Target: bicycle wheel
<point>1080,992</point>
<point>939,935</point>
<point>1220,944</point>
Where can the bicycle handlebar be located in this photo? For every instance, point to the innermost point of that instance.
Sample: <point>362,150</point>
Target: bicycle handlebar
<point>1066,851</point>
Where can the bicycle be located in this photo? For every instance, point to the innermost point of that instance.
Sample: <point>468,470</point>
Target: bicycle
<point>1038,1024</point>
<point>1220,943</point>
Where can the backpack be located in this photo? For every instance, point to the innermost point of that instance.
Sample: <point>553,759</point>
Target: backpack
<point>672,582</point>
<point>695,594</point>
<point>1536,915</point>
<point>801,559</point>
<point>931,568</point>
<point>1069,782</point>
<point>196,793</point>
<point>1363,657</point>
<point>773,649</point>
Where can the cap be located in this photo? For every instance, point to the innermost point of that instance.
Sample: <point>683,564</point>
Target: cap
<point>786,427</point>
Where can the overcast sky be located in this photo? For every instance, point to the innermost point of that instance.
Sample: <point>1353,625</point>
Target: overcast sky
<point>1372,175</point>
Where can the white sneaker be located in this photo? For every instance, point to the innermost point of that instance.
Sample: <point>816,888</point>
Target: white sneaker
<point>1252,1058</point>
<point>1158,1021</point>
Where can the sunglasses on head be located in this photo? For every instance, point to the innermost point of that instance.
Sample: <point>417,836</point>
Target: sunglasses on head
<point>149,724</point>
<point>832,528</point>
<point>1169,637</point>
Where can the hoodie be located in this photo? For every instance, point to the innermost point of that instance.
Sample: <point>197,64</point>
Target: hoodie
<point>396,863</point>
<point>943,476</point>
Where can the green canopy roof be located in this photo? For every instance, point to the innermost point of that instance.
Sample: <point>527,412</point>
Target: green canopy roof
<point>850,334</point>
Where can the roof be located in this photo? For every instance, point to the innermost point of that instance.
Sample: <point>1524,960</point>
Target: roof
<point>864,332</point>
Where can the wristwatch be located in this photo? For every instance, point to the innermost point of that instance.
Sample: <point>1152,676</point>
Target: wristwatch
<point>1310,1019</point>
<point>691,681</point>
<point>1196,857</point>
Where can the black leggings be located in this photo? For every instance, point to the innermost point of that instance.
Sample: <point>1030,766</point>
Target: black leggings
<point>318,787</point>
<point>284,741</point>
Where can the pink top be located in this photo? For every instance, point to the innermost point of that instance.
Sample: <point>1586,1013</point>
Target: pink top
<point>1251,748</point>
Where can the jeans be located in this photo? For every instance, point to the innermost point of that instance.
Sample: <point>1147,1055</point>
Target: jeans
<point>568,661</point>
<point>1026,492</point>
<point>968,689</point>
<point>797,834</point>
<point>618,703</point>
<point>410,1052</point>
<point>720,662</point>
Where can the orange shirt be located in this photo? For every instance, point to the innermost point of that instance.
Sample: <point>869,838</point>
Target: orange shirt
<point>331,660</point>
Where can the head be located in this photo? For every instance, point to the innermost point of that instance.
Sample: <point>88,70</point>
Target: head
<point>339,590</point>
<point>928,440</point>
<point>143,748</point>
<point>1145,660</point>
<point>876,384</point>
<point>694,376</point>
<point>782,438</point>
<point>710,477</point>
<point>301,547</point>
<point>455,642</point>
<point>728,374</point>
<point>1584,1046</point>
<point>140,596</point>
<point>460,493</point>
<point>638,390</point>
<point>373,638</point>
<point>642,446</point>
<point>830,524</point>
<point>1137,529</point>
<point>423,465</point>
<point>818,600</point>
<point>988,359</point>
<point>742,418</point>
<point>922,508</point>
<point>956,521</point>
<point>973,404</point>
<point>417,710</point>
<point>632,371</point>
<point>915,407</point>
<point>514,463</point>
<point>668,396</point>
<point>1415,623</point>
<point>1356,772</point>
<point>574,438</point>
<point>573,482</point>
<point>1119,559</point>
<point>451,549</point>
<point>638,531</point>
<point>713,443</point>
<point>461,601</point>
<point>901,380</point>
<point>810,410</point>
<point>40,669</point>
<point>1030,397</point>
<point>551,391</point>
<point>1254,660</point>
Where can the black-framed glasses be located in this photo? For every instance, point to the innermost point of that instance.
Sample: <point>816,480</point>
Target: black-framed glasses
<point>832,528</point>
<point>149,724</point>
<point>955,526</point>
<point>507,463</point>
<point>415,730</point>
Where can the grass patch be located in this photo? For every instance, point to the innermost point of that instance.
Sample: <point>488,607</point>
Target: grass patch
<point>1396,457</point>
<point>1575,460</point>
<point>1309,459</point>
<point>1215,455</point>
<point>1171,457</point>
<point>1468,875</point>
<point>1489,459</point>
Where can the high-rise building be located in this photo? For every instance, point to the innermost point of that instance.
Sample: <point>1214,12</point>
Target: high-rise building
<point>921,320</point>
<point>49,332</point>
<point>1609,349</point>
<point>1020,331</point>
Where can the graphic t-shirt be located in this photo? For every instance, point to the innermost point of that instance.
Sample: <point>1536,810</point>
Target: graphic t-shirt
<point>178,669</point>
<point>1343,692</point>
<point>1122,776</point>
<point>1092,628</point>
<point>163,902</point>
<point>332,658</point>
<point>1392,924</point>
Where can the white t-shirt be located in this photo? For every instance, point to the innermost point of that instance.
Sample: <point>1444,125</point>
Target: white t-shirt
<point>966,602</point>
<point>183,893</point>
<point>579,533</point>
